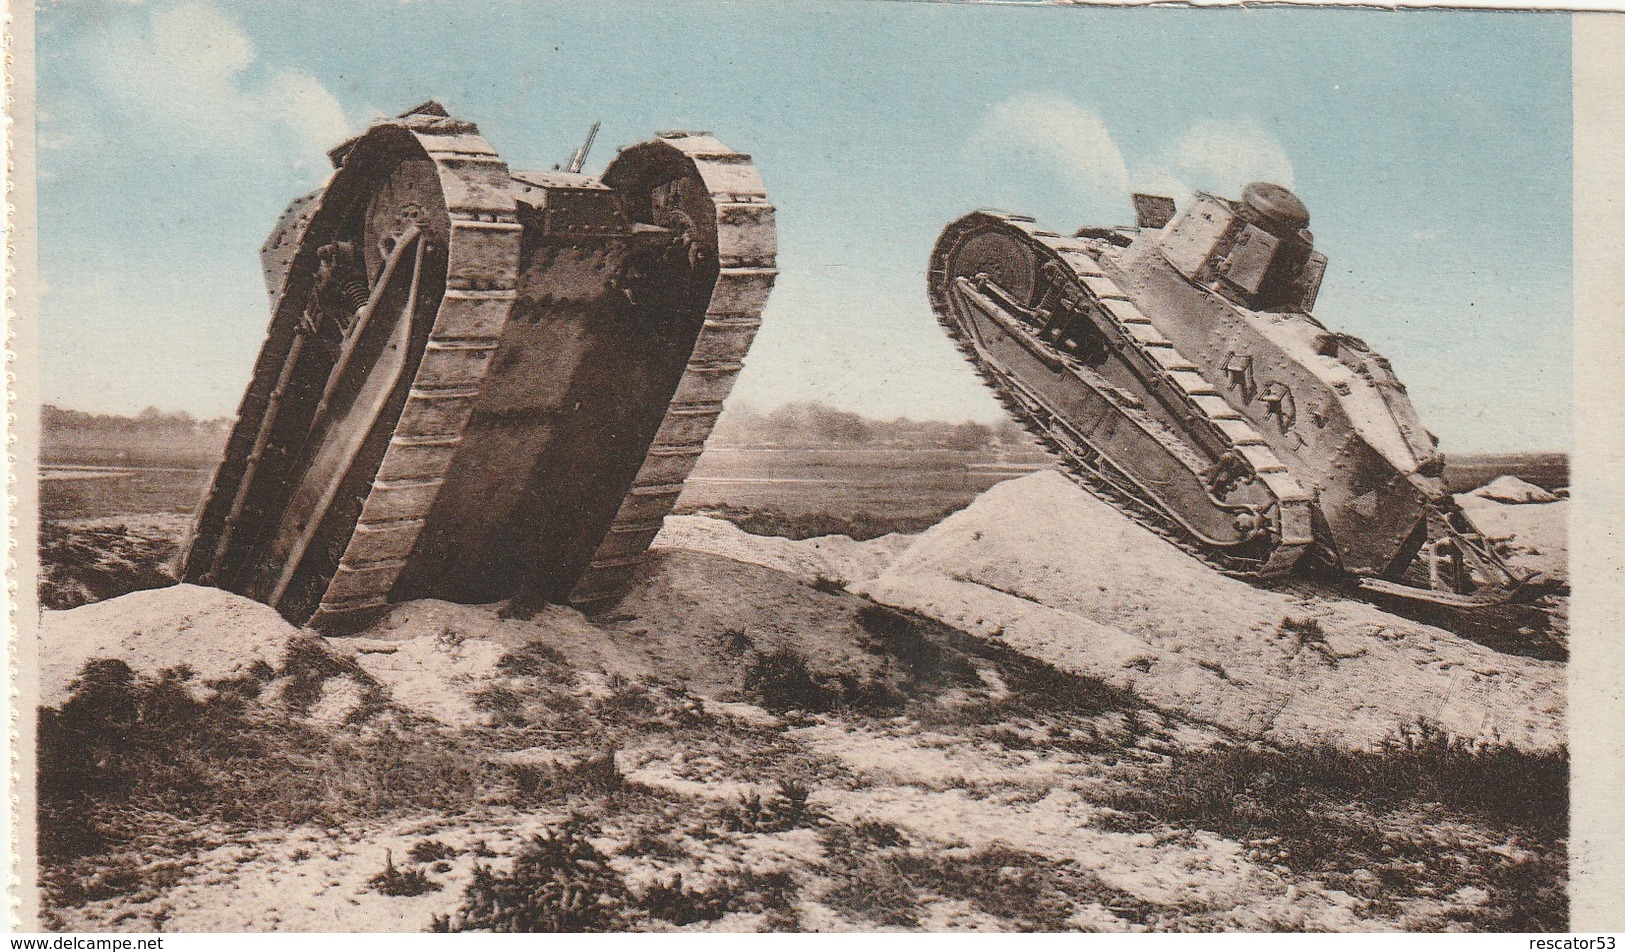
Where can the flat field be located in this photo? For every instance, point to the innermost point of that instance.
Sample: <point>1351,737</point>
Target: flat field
<point>789,488</point>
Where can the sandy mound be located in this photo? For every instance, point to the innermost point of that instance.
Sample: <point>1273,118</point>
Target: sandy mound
<point>436,657</point>
<point>433,676</point>
<point>833,557</point>
<point>1537,536</point>
<point>692,619</point>
<point>700,618</point>
<point>1514,490</point>
<point>1062,576</point>
<point>215,633</point>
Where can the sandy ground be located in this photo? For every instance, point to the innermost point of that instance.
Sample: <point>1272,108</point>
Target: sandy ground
<point>1089,591</point>
<point>949,796</point>
<point>215,634</point>
<point>1083,590</point>
<point>1535,532</point>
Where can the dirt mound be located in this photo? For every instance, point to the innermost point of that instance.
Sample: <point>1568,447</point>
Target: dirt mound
<point>1514,490</point>
<point>1060,575</point>
<point>1035,563</point>
<point>703,618</point>
<point>216,634</point>
<point>1536,536</point>
<point>692,621</point>
<point>833,557</point>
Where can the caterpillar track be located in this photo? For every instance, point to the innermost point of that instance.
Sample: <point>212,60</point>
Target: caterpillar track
<point>481,384</point>
<point>1173,369</point>
<point>1091,471</point>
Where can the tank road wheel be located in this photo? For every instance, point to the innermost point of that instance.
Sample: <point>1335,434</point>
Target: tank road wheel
<point>355,408</point>
<point>408,198</point>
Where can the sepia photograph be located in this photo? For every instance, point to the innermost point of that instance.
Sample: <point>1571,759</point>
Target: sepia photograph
<point>843,466</point>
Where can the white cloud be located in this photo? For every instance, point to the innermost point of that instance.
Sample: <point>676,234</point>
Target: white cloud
<point>1058,135</point>
<point>1221,157</point>
<point>1071,143</point>
<point>179,76</point>
<point>302,105</point>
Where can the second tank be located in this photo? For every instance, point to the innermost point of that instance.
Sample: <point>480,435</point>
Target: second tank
<point>1177,370</point>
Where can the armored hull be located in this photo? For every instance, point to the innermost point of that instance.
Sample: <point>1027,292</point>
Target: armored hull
<point>481,384</point>
<point>1176,370</point>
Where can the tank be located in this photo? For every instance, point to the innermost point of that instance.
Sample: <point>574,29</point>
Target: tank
<point>482,384</point>
<point>1176,370</point>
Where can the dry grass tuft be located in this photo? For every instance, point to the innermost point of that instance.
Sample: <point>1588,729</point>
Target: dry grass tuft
<point>560,882</point>
<point>394,881</point>
<point>1377,823</point>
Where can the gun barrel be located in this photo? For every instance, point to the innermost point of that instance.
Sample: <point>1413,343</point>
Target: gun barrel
<point>580,158</point>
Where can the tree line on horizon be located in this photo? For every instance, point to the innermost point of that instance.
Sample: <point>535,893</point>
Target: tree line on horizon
<point>56,420</point>
<point>792,424</point>
<point>805,424</point>
<point>817,424</point>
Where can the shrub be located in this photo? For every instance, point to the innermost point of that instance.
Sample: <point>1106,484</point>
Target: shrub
<point>125,752</point>
<point>1346,815</point>
<point>881,833</point>
<point>627,703</point>
<point>1306,630</point>
<point>428,851</point>
<point>738,890</point>
<point>307,664</point>
<point>534,659</point>
<point>647,842</point>
<point>597,772</point>
<point>785,809</point>
<point>874,888</point>
<point>678,904</point>
<point>736,641</point>
<point>1034,892</point>
<point>560,883</point>
<point>780,682</point>
<point>1419,764</point>
<point>396,882</point>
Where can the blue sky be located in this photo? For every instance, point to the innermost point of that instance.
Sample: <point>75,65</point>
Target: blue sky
<point>1433,150</point>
